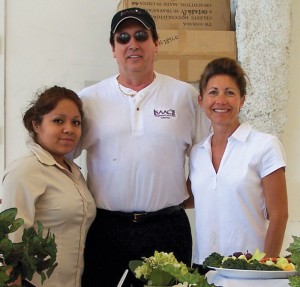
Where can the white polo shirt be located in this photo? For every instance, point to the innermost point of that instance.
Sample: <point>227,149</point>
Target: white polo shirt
<point>136,147</point>
<point>230,208</point>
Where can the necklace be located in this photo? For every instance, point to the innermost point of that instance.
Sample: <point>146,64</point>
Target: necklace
<point>128,95</point>
<point>133,94</point>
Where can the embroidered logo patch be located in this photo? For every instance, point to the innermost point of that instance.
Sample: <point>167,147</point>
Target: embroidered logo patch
<point>164,114</point>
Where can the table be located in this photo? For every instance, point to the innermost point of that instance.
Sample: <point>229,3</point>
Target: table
<point>213,277</point>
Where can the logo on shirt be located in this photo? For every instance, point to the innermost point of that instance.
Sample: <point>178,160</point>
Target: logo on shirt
<point>164,114</point>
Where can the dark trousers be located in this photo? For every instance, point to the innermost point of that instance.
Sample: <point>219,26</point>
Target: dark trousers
<point>113,241</point>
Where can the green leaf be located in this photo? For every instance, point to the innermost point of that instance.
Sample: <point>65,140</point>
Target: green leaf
<point>8,215</point>
<point>36,253</point>
<point>257,255</point>
<point>5,246</point>
<point>213,260</point>
<point>3,276</point>
<point>8,223</point>
<point>16,224</point>
<point>51,269</point>
<point>294,248</point>
<point>133,264</point>
<point>294,281</point>
<point>39,252</point>
<point>204,283</point>
<point>161,278</point>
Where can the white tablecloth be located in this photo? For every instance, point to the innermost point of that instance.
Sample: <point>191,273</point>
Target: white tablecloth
<point>213,277</point>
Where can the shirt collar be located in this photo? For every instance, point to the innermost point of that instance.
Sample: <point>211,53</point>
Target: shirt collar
<point>46,158</point>
<point>42,155</point>
<point>240,134</point>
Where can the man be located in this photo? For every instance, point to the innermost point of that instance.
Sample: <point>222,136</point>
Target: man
<point>139,127</point>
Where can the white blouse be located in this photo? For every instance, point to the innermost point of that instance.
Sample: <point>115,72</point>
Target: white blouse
<point>230,208</point>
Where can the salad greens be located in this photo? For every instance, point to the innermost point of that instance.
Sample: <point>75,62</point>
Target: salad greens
<point>247,261</point>
<point>238,263</point>
<point>217,260</point>
<point>213,260</point>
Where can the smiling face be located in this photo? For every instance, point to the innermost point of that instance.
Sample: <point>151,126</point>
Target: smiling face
<point>222,101</point>
<point>134,56</point>
<point>60,129</point>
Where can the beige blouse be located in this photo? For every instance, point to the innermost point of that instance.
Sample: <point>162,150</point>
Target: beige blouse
<point>44,191</point>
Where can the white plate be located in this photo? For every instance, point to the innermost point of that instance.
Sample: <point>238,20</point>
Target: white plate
<point>253,274</point>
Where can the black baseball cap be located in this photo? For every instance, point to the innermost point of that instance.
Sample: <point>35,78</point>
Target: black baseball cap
<point>132,13</point>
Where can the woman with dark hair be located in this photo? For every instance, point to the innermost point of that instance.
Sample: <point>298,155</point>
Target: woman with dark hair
<point>46,186</point>
<point>237,173</point>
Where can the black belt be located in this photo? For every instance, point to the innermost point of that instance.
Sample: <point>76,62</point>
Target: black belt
<point>139,216</point>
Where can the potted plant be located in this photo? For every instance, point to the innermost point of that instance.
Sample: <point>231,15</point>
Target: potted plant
<point>163,269</point>
<point>21,260</point>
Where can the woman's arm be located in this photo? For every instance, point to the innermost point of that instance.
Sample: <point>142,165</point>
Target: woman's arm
<point>189,203</point>
<point>23,183</point>
<point>275,192</point>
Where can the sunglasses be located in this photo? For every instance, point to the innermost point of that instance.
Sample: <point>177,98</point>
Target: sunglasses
<point>124,38</point>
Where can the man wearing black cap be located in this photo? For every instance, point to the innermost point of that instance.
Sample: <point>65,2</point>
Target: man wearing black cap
<point>139,127</point>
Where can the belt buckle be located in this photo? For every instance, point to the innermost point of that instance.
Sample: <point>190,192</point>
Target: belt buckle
<point>137,215</point>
